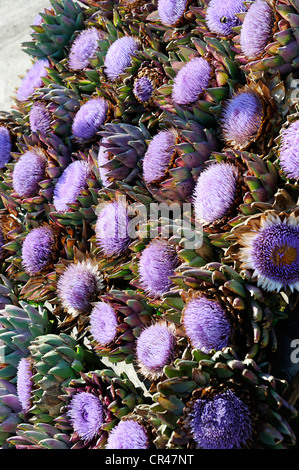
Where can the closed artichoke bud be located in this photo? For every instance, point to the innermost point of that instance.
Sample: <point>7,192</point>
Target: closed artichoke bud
<point>39,436</point>
<point>10,409</point>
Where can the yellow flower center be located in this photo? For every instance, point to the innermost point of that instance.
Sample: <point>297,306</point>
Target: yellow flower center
<point>284,255</point>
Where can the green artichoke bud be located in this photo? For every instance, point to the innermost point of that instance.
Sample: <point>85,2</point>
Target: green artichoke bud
<point>39,436</point>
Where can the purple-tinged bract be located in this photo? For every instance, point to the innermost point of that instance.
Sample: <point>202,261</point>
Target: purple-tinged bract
<point>83,48</point>
<point>143,89</point>
<point>289,151</point>
<point>171,11</point>
<point>5,146</point>
<point>24,383</point>
<point>39,118</point>
<point>119,56</point>
<point>128,434</point>
<point>103,323</point>
<point>159,156</point>
<point>90,117</point>
<point>33,79</point>
<point>28,172</point>
<point>191,81</point>
<point>221,16</point>
<point>70,184</point>
<point>37,250</point>
<point>86,415</point>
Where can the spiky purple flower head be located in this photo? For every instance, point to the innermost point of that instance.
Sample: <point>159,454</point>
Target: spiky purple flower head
<point>221,16</point>
<point>206,324</point>
<point>86,414</point>
<point>112,229</point>
<point>191,80</point>
<point>70,184</point>
<point>241,119</point>
<point>143,89</point>
<point>5,146</point>
<point>257,29</point>
<point>90,117</point>
<point>33,79</point>
<point>103,158</point>
<point>289,151</point>
<point>28,172</point>
<point>128,434</point>
<point>24,383</point>
<point>155,348</point>
<point>119,56</point>
<point>221,422</point>
<point>215,191</point>
<point>38,249</point>
<point>39,118</point>
<point>171,11</point>
<point>159,156</point>
<point>273,253</point>
<point>78,286</point>
<point>157,263</point>
<point>103,323</point>
<point>84,48</point>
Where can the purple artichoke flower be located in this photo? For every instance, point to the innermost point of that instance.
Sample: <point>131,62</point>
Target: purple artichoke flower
<point>221,422</point>
<point>33,79</point>
<point>5,146</point>
<point>273,253</point>
<point>241,119</point>
<point>84,48</point>
<point>206,324</point>
<point>24,383</point>
<point>90,117</point>
<point>78,286</point>
<point>143,89</point>
<point>155,348</point>
<point>103,323</point>
<point>112,229</point>
<point>28,172</point>
<point>159,156</point>
<point>157,263</point>
<point>215,191</point>
<point>191,81</point>
<point>289,151</point>
<point>221,16</point>
<point>70,184</point>
<point>256,31</point>
<point>128,434</point>
<point>171,11</point>
<point>38,249</point>
<point>86,414</point>
<point>39,118</point>
<point>119,56</point>
<point>103,158</point>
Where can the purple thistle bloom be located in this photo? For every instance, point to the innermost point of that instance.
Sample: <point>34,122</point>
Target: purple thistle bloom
<point>84,48</point>
<point>206,324</point>
<point>241,119</point>
<point>39,118</point>
<point>128,434</point>
<point>273,253</point>
<point>257,29</point>
<point>191,81</point>
<point>24,383</point>
<point>289,151</point>
<point>28,172</point>
<point>90,117</point>
<point>221,422</point>
<point>112,229</point>
<point>214,193</point>
<point>86,414</point>
<point>78,285</point>
<point>143,89</point>
<point>103,323</point>
<point>159,156</point>
<point>33,79</point>
<point>119,56</point>
<point>5,146</point>
<point>155,348</point>
<point>103,158</point>
<point>157,263</point>
<point>221,16</point>
<point>70,184</point>
<point>171,11</point>
<point>37,249</point>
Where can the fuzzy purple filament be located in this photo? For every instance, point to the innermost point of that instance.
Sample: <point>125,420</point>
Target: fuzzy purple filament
<point>159,156</point>
<point>70,185</point>
<point>28,172</point>
<point>191,81</point>
<point>103,158</point>
<point>128,434</point>
<point>221,16</point>
<point>256,31</point>
<point>90,117</point>
<point>103,323</point>
<point>33,79</point>
<point>39,118</point>
<point>119,56</point>
<point>5,146</point>
<point>215,191</point>
<point>86,415</point>
<point>143,89</point>
<point>171,11</point>
<point>84,48</point>
<point>37,249</point>
<point>222,422</point>
<point>157,264</point>
<point>289,151</point>
<point>24,383</point>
